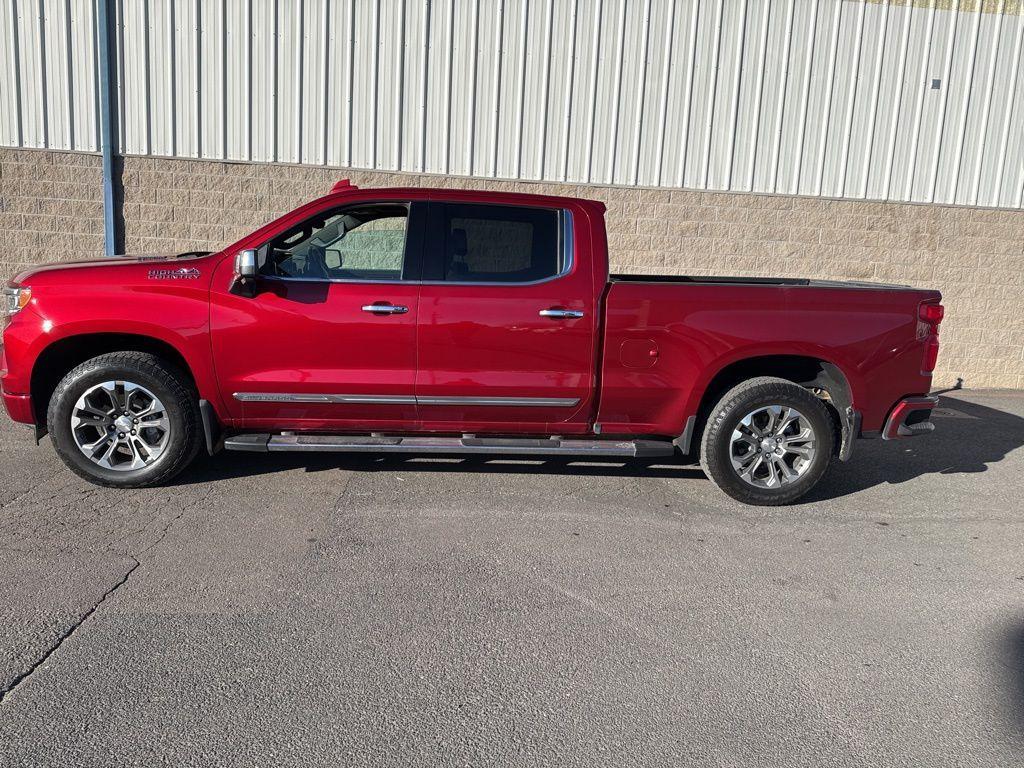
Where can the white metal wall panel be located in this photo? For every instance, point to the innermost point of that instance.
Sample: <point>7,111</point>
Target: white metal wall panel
<point>253,52</point>
<point>133,79</point>
<point>889,92</point>
<point>1010,155</point>
<point>10,59</point>
<point>32,80</point>
<point>790,124</point>
<point>210,76</point>
<point>84,88</point>
<point>918,100</point>
<point>185,61</point>
<point>54,29</point>
<point>1012,188</point>
<point>161,66</point>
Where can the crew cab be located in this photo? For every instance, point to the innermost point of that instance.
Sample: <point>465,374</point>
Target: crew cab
<point>454,321</point>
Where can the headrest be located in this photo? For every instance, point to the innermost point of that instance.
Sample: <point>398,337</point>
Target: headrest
<point>458,243</point>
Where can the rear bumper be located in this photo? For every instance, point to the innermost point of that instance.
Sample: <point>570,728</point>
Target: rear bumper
<point>910,417</point>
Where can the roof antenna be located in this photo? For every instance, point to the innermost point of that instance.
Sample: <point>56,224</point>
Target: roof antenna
<point>344,186</point>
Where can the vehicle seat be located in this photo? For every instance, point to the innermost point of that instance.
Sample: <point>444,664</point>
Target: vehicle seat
<point>458,248</point>
<point>312,264</point>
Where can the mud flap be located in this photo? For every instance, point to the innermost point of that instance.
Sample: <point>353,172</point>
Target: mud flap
<point>211,428</point>
<point>851,430</point>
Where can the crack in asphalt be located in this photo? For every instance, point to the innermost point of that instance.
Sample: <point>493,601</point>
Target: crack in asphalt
<point>12,686</point>
<point>19,679</point>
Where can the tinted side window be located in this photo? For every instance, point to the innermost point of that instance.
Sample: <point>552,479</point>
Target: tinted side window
<point>355,243</point>
<point>499,244</point>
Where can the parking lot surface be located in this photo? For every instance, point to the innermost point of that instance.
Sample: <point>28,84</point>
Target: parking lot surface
<point>334,610</point>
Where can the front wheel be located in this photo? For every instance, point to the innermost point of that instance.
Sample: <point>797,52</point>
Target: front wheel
<point>768,441</point>
<point>125,420</point>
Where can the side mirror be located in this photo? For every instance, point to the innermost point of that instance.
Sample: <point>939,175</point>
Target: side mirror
<point>245,264</point>
<point>244,283</point>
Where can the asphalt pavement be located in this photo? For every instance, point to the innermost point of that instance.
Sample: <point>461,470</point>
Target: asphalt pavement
<point>360,610</point>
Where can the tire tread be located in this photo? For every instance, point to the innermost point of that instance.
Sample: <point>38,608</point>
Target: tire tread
<point>718,468</point>
<point>148,364</point>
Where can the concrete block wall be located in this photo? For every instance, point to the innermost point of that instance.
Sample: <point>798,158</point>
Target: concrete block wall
<point>50,209</point>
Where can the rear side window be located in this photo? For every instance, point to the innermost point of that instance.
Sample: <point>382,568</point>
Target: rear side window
<point>498,244</point>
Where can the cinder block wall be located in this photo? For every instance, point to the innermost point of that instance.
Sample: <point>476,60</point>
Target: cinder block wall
<point>50,209</point>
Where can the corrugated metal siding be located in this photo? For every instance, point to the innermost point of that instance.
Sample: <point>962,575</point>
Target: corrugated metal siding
<point>813,97</point>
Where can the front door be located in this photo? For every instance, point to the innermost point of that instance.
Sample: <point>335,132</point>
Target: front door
<point>329,340</point>
<point>507,322</point>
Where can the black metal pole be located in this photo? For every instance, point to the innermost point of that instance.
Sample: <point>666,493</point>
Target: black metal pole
<point>108,139</point>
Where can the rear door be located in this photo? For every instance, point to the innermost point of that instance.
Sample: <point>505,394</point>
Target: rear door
<point>507,324</point>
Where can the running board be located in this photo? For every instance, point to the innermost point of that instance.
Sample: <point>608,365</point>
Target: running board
<point>263,443</point>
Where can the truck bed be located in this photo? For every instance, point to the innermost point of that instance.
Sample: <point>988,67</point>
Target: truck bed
<point>694,327</point>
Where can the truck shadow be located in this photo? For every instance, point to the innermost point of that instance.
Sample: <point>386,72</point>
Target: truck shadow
<point>968,438</point>
<point>1009,667</point>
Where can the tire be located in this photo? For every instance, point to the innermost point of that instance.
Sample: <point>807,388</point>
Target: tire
<point>749,415</point>
<point>165,441</point>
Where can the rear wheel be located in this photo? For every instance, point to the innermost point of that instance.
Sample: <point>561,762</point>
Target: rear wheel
<point>768,441</point>
<point>125,419</point>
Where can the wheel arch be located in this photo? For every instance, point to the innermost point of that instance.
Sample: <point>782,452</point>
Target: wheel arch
<point>64,354</point>
<point>823,377</point>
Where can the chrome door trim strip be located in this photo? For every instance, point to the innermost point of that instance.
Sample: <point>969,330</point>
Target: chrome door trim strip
<point>284,397</point>
<point>547,402</point>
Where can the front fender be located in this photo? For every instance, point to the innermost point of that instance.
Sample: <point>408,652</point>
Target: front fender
<point>175,317</point>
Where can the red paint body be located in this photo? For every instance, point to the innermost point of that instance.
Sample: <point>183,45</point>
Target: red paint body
<point>638,362</point>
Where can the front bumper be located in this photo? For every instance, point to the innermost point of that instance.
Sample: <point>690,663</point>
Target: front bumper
<point>14,388</point>
<point>910,417</point>
<point>19,408</point>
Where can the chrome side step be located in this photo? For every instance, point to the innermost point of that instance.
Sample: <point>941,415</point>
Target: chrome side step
<point>555,446</point>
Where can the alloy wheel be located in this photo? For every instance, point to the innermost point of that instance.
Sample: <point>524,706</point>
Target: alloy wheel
<point>772,446</point>
<point>120,426</point>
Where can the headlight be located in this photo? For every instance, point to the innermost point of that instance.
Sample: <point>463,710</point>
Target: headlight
<point>15,299</point>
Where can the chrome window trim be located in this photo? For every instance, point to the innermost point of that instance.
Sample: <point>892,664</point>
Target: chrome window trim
<point>567,246</point>
<point>337,280</point>
<point>285,397</point>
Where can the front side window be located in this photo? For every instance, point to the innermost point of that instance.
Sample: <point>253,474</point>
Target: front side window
<point>354,243</point>
<point>500,244</point>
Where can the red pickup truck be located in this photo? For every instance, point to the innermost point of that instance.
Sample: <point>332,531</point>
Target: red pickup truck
<point>447,321</point>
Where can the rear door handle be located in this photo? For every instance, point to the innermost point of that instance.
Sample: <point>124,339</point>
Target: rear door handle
<point>385,309</point>
<point>574,314</point>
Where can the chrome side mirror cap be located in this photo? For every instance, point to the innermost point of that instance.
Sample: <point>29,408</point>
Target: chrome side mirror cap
<point>245,264</point>
<point>244,282</point>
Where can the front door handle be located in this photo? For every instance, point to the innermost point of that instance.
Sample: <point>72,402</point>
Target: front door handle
<point>574,314</point>
<point>385,309</point>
